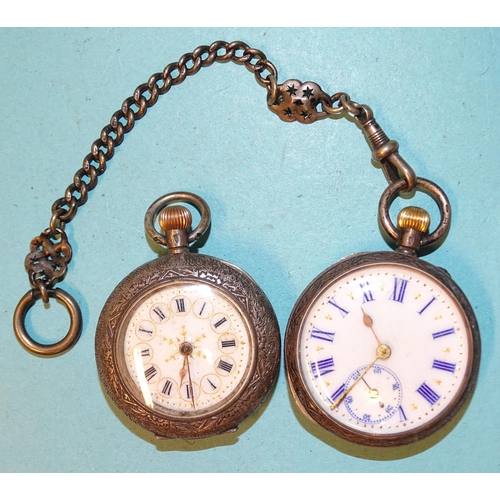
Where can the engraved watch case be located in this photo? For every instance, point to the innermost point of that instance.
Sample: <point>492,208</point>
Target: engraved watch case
<point>187,345</point>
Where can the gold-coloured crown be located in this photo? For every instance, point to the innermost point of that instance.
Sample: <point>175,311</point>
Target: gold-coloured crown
<point>175,217</point>
<point>414,218</point>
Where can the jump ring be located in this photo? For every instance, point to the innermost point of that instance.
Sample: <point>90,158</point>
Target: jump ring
<point>434,191</point>
<point>272,91</point>
<point>44,291</point>
<point>349,106</point>
<point>75,329</point>
<point>153,211</point>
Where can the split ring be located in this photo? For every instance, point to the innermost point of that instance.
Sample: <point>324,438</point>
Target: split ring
<point>75,329</point>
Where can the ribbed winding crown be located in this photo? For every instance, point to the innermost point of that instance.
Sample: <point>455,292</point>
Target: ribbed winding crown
<point>175,217</point>
<point>414,218</point>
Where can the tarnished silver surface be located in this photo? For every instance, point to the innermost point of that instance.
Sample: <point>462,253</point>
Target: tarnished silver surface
<point>293,100</point>
<point>167,199</point>
<point>50,253</point>
<point>198,269</point>
<point>327,278</point>
<point>297,101</point>
<point>70,339</point>
<point>434,191</point>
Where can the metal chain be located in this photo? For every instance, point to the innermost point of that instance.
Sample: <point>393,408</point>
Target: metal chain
<point>384,150</point>
<point>306,102</point>
<point>50,252</point>
<point>293,100</point>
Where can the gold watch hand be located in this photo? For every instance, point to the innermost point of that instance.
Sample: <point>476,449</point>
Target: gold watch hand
<point>183,371</point>
<point>190,383</point>
<point>368,321</point>
<point>186,349</point>
<point>345,393</point>
<point>383,352</point>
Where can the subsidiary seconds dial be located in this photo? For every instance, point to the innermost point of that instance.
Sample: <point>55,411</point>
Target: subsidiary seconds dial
<point>376,399</point>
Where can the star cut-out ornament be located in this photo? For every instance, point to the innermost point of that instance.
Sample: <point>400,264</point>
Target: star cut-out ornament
<point>297,101</point>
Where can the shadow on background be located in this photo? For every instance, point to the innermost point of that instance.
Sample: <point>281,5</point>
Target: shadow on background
<point>375,453</point>
<point>227,439</point>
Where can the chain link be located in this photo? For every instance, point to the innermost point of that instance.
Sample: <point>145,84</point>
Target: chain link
<point>306,102</point>
<point>146,95</point>
<point>50,252</point>
<point>358,111</point>
<point>48,263</point>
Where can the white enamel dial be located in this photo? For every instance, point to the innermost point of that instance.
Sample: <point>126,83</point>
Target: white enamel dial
<point>187,348</point>
<point>384,349</point>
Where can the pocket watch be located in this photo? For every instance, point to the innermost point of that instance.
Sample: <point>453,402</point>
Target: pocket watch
<point>382,348</point>
<point>187,345</point>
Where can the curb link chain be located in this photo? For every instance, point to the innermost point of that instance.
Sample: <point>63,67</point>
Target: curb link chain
<point>293,100</point>
<point>47,262</point>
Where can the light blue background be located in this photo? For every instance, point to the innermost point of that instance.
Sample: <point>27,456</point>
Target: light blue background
<point>287,201</point>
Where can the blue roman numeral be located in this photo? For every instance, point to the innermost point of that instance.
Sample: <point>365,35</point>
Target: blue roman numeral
<point>336,395</point>
<point>402,414</point>
<point>427,305</point>
<point>322,367</point>
<point>321,335</point>
<point>428,394</point>
<point>443,365</point>
<point>437,335</point>
<point>343,312</point>
<point>398,293</point>
<point>367,294</point>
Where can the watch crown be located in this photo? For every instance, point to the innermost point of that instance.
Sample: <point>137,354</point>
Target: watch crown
<point>175,217</point>
<point>414,218</point>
